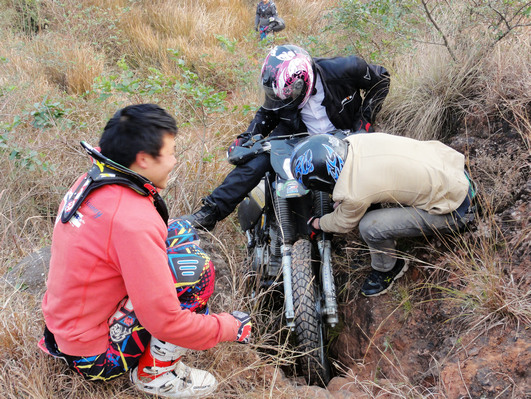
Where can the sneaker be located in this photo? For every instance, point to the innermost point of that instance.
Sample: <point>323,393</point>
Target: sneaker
<point>206,217</point>
<point>181,382</point>
<point>378,283</point>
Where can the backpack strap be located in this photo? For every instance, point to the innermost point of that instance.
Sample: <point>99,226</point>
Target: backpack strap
<point>105,171</point>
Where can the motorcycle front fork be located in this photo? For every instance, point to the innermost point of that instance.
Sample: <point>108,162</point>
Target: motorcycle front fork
<point>289,310</point>
<point>329,308</point>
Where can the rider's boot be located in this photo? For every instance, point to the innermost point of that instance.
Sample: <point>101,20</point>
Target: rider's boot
<point>161,372</point>
<point>206,217</point>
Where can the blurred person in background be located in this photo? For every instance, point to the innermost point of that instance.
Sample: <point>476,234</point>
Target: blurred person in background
<point>266,19</point>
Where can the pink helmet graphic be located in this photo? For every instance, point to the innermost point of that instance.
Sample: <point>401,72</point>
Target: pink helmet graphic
<point>287,77</point>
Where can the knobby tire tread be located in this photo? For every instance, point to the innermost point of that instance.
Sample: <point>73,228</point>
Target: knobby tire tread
<point>307,320</point>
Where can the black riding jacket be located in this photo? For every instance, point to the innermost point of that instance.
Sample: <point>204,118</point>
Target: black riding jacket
<point>344,80</point>
<point>263,13</point>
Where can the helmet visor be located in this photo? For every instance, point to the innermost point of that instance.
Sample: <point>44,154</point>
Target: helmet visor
<point>273,102</point>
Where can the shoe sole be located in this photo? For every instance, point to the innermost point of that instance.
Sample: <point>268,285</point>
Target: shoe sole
<point>140,386</point>
<point>402,272</point>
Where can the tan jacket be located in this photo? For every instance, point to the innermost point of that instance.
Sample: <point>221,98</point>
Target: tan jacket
<point>383,168</point>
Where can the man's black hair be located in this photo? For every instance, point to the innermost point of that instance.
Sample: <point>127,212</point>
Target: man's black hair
<point>133,129</point>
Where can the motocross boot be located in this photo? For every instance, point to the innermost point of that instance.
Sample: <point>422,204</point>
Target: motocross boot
<point>161,372</point>
<point>206,217</point>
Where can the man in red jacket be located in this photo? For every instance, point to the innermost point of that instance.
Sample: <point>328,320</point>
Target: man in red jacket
<point>124,291</point>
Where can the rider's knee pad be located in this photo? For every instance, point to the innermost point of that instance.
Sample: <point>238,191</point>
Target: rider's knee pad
<point>193,275</point>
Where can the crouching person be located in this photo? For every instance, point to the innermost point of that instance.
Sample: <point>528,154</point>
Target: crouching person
<point>125,291</point>
<point>424,182</point>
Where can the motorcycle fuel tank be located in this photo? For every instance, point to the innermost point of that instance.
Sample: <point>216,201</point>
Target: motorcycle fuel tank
<point>251,207</point>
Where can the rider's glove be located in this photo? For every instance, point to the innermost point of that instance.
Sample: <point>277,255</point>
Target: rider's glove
<point>313,231</point>
<point>240,140</point>
<point>244,331</point>
<point>364,127</point>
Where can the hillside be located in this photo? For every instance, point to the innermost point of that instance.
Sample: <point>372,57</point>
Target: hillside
<point>456,326</point>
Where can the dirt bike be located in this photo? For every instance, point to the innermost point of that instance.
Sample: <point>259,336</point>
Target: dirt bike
<point>274,217</point>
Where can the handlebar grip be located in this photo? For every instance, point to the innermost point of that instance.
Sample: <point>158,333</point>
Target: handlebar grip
<point>240,155</point>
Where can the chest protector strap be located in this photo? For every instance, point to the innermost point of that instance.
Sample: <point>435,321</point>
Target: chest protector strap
<point>105,171</point>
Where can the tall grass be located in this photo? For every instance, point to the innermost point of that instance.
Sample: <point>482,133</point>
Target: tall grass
<point>59,85</point>
<point>428,92</point>
<point>432,94</point>
<point>480,278</point>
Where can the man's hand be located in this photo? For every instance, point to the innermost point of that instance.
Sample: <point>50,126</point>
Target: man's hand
<point>363,127</point>
<point>315,227</point>
<point>244,331</point>
<point>240,140</point>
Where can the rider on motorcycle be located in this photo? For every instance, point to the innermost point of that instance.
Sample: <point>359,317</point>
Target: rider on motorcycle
<point>302,94</point>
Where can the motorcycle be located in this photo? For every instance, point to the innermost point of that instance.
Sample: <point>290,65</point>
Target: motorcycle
<point>274,218</point>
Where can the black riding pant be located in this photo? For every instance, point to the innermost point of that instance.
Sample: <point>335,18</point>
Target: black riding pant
<point>238,183</point>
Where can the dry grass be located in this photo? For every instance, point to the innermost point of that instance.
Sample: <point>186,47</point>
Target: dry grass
<point>70,68</point>
<point>488,267</point>
<point>508,85</point>
<point>434,87</point>
<point>482,280</point>
<point>216,40</point>
<point>427,93</point>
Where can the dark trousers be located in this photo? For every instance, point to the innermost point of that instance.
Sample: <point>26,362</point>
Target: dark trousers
<point>238,183</point>
<point>382,227</point>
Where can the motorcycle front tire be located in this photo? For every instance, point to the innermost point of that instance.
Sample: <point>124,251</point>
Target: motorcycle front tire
<point>309,327</point>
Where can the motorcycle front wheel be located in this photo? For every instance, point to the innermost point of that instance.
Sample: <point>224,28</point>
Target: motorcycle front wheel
<point>309,328</point>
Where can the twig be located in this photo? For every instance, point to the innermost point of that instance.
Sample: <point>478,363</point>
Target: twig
<point>507,22</point>
<point>430,17</point>
<point>462,378</point>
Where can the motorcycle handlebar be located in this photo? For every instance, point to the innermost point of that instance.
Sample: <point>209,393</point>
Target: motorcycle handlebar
<point>259,144</point>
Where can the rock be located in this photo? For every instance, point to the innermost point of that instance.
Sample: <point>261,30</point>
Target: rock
<point>313,392</point>
<point>342,394</point>
<point>30,273</point>
<point>482,376</point>
<point>343,388</point>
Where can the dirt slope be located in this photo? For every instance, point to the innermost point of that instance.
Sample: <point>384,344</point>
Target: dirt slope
<point>421,340</point>
<point>425,337</point>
